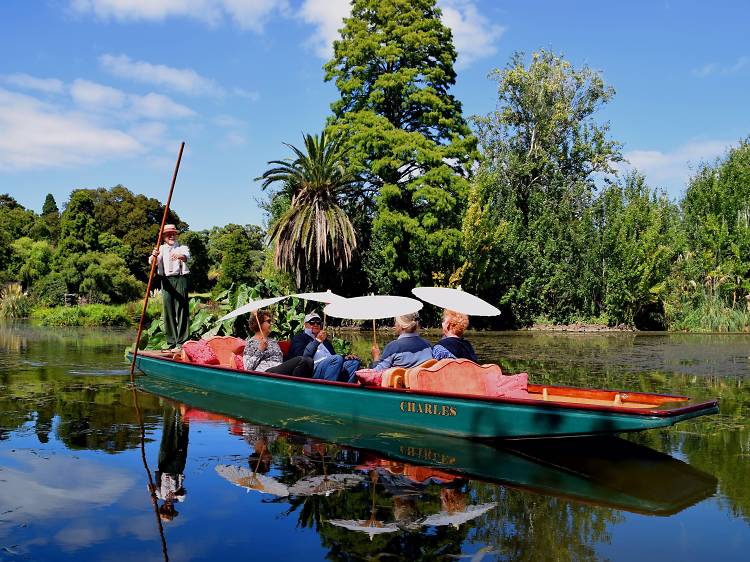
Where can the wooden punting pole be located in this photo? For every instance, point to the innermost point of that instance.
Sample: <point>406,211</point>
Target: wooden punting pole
<point>153,264</point>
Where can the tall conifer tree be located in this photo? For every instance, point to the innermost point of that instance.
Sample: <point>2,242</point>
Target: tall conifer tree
<point>409,142</point>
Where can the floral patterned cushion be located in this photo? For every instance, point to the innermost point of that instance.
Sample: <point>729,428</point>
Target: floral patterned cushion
<point>200,352</point>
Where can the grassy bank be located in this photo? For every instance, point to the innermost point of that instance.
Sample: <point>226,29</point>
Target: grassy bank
<point>120,315</point>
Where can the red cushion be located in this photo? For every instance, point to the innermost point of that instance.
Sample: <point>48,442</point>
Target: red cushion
<point>369,377</point>
<point>239,362</point>
<point>200,352</point>
<point>284,346</point>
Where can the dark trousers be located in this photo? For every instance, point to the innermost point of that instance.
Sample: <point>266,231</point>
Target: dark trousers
<point>174,293</point>
<point>296,367</point>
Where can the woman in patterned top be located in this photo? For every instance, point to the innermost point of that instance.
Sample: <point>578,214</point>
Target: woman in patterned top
<point>264,354</point>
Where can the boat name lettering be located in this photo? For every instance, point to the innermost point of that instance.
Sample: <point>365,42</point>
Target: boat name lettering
<point>427,408</point>
<point>427,455</point>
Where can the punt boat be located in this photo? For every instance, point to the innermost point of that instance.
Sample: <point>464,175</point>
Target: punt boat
<point>547,411</point>
<point>603,470</point>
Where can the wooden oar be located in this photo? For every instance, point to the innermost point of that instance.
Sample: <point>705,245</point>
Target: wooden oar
<point>153,265</point>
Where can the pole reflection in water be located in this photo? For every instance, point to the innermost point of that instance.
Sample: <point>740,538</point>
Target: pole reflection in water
<point>172,457</point>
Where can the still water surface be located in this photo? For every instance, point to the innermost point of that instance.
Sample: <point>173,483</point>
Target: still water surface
<point>74,485</point>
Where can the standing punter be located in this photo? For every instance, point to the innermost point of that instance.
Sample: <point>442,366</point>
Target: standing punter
<point>173,270</point>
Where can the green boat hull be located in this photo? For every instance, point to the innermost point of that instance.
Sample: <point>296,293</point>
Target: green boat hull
<point>407,410</point>
<point>606,470</point>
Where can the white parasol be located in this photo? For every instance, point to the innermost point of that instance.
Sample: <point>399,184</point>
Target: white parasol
<point>456,299</point>
<point>324,484</point>
<point>252,306</point>
<point>323,296</point>
<point>246,478</point>
<point>372,307</point>
<point>459,517</point>
<point>370,526</point>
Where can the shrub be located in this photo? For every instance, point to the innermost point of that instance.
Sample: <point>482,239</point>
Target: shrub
<point>13,303</point>
<point>49,290</point>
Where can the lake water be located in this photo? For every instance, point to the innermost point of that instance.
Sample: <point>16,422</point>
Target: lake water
<point>79,448</point>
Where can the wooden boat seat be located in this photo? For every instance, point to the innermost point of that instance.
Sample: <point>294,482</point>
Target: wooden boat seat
<point>593,397</point>
<point>462,376</point>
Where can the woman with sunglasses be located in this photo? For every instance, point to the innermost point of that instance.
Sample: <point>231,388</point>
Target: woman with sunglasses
<point>263,353</point>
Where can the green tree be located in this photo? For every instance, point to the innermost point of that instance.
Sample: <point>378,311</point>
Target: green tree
<point>393,67</point>
<point>199,261</point>
<point>50,205</point>
<point>106,279</point>
<point>51,218</point>
<point>15,220</point>
<point>314,231</point>
<point>238,251</point>
<point>135,220</point>
<point>639,231</point>
<point>528,225</point>
<point>79,231</point>
<point>33,259</point>
<point>716,210</point>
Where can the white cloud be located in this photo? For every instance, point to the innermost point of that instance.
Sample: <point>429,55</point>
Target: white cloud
<point>35,488</point>
<point>672,169</point>
<point>713,68</point>
<point>40,135</point>
<point>96,96</point>
<point>151,133</point>
<point>183,80</point>
<point>47,85</point>
<point>156,106</point>
<point>327,18</point>
<point>247,14</point>
<point>474,36</point>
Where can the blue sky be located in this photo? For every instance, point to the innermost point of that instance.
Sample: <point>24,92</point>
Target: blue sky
<point>99,92</point>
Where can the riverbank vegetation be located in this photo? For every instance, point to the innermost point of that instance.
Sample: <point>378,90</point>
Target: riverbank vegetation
<point>528,206</point>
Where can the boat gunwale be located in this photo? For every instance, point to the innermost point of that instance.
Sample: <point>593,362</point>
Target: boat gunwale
<point>494,400</point>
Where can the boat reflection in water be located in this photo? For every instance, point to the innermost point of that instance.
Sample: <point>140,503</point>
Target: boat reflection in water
<point>603,471</point>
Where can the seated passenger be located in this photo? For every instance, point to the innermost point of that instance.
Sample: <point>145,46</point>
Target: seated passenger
<point>313,342</point>
<point>263,353</point>
<point>453,345</point>
<point>407,350</point>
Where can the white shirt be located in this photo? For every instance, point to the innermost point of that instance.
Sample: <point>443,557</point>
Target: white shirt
<point>166,266</point>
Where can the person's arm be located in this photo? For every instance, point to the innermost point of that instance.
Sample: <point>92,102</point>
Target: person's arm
<point>439,352</point>
<point>311,348</point>
<point>388,351</point>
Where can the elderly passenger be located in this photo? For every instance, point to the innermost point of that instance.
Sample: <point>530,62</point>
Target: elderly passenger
<point>407,350</point>
<point>453,345</point>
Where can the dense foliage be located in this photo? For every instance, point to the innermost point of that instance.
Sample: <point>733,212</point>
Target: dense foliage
<point>409,141</point>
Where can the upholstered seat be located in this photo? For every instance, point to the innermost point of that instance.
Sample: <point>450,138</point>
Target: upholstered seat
<point>462,376</point>
<point>222,350</point>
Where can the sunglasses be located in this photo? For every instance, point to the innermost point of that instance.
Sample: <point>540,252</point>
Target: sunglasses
<point>318,322</point>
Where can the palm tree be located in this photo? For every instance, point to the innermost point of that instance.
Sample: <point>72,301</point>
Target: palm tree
<point>314,230</point>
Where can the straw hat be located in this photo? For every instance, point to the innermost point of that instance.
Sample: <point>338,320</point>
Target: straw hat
<point>169,229</point>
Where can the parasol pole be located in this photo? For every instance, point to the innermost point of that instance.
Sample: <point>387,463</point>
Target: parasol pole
<point>374,337</point>
<point>260,328</point>
<point>153,264</point>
